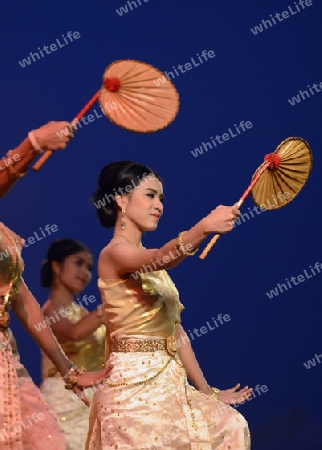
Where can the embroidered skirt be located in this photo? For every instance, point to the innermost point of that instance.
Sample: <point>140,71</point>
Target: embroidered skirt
<point>26,421</point>
<point>147,404</point>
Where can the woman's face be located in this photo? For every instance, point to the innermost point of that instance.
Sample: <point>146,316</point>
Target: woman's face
<point>75,272</point>
<point>144,205</point>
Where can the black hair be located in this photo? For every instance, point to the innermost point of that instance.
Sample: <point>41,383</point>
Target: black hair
<point>114,179</point>
<point>58,251</point>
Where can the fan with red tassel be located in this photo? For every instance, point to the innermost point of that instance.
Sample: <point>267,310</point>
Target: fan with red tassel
<point>135,96</point>
<point>281,176</point>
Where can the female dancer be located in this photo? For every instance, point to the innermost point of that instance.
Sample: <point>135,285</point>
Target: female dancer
<point>15,404</point>
<point>147,403</point>
<point>67,271</point>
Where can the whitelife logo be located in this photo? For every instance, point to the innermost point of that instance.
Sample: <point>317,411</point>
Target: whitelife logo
<point>300,278</point>
<point>65,312</point>
<point>124,9</point>
<point>9,160</point>
<point>53,47</point>
<point>303,95</point>
<point>184,68</point>
<point>285,15</point>
<point>31,240</point>
<point>10,432</point>
<point>312,362</point>
<point>221,139</point>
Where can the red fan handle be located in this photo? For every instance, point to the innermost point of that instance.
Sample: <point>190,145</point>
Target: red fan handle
<point>272,160</point>
<point>41,161</point>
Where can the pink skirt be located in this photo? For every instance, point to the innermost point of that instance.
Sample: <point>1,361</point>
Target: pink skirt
<point>26,421</point>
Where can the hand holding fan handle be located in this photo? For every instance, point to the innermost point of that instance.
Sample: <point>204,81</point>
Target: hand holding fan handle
<point>216,237</point>
<point>261,170</point>
<point>41,161</point>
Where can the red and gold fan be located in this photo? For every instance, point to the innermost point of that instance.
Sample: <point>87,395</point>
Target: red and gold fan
<point>135,96</point>
<point>281,176</point>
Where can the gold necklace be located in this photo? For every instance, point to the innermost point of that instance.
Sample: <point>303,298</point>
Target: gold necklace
<point>116,234</point>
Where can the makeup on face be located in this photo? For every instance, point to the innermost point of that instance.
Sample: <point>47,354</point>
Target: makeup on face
<point>77,271</point>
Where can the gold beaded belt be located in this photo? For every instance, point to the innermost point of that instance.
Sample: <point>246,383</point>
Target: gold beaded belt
<point>141,345</point>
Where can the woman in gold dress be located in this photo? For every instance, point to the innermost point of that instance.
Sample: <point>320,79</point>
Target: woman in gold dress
<point>147,402</point>
<point>67,271</point>
<point>26,422</point>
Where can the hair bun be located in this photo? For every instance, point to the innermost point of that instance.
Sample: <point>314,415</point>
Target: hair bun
<point>105,208</point>
<point>45,274</point>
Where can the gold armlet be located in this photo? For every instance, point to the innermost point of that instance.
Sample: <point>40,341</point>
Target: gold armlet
<point>181,246</point>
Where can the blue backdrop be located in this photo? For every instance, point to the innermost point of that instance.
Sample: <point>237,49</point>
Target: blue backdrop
<point>259,74</point>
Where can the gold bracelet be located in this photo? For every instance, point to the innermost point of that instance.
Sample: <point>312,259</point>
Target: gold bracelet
<point>181,247</point>
<point>71,377</point>
<point>13,171</point>
<point>215,392</point>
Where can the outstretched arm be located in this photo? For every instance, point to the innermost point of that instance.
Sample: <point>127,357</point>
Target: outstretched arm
<point>52,136</point>
<point>124,258</point>
<point>195,375</point>
<point>19,158</point>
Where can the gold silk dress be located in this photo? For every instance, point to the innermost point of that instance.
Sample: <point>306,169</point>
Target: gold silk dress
<point>146,402</point>
<point>72,413</point>
<point>26,421</point>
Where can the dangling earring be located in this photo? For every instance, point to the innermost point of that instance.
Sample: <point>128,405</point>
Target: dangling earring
<point>123,221</point>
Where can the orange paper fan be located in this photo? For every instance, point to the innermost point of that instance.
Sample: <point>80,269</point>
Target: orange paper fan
<point>135,96</point>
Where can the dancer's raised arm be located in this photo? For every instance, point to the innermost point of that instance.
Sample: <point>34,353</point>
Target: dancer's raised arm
<point>52,136</point>
<point>125,254</point>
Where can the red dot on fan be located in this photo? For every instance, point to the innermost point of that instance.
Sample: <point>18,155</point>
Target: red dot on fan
<point>112,84</point>
<point>273,159</point>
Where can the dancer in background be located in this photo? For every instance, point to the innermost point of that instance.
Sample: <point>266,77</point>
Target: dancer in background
<point>147,401</point>
<point>67,271</point>
<point>15,404</point>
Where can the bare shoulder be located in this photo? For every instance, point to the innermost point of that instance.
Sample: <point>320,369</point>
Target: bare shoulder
<point>106,253</point>
<point>106,261</point>
<point>112,250</point>
<point>121,258</point>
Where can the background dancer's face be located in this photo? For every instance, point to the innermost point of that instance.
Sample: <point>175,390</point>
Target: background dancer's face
<point>75,272</point>
<point>144,206</point>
